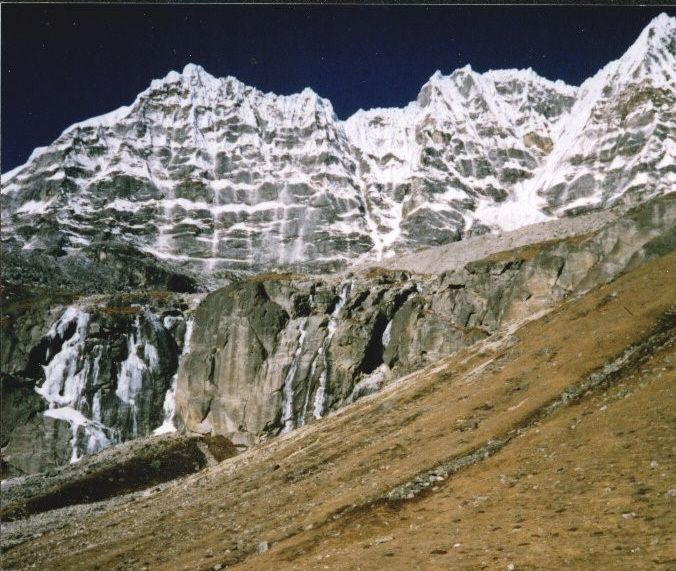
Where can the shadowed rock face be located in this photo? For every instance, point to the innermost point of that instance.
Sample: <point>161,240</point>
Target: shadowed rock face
<point>272,353</point>
<point>78,378</point>
<point>103,267</point>
<point>209,174</point>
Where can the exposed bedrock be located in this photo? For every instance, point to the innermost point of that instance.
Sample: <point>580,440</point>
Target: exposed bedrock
<point>117,471</point>
<point>272,353</point>
<point>276,351</point>
<point>81,375</point>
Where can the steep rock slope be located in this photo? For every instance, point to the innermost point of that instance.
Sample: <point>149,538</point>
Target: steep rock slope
<point>272,353</point>
<point>212,174</point>
<point>619,143</point>
<point>224,174</point>
<point>566,413</point>
<point>79,375</point>
<point>466,141</point>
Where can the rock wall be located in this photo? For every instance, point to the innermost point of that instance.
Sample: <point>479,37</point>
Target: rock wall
<point>210,175</point>
<point>274,352</point>
<point>78,378</point>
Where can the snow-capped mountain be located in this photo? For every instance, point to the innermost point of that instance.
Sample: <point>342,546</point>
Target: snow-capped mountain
<point>213,174</point>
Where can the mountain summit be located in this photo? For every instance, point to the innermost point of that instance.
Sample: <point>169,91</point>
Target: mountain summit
<point>212,174</point>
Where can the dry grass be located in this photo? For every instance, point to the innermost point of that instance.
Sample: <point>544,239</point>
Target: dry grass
<point>141,296</point>
<point>274,277</point>
<point>587,489</point>
<point>378,271</point>
<point>121,310</point>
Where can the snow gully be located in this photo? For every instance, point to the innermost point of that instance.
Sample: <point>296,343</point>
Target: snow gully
<point>287,403</point>
<point>320,396</point>
<point>169,405</point>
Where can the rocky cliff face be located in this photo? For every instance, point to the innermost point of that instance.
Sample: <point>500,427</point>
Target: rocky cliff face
<point>274,352</point>
<point>271,353</point>
<point>211,174</point>
<point>78,378</point>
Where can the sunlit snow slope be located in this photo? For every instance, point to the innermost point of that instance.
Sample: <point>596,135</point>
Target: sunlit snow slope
<point>213,174</point>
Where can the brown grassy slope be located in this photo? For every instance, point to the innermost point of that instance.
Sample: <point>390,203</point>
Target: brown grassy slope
<point>291,491</point>
<point>590,488</point>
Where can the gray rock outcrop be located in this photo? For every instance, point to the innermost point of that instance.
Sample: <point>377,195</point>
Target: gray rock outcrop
<point>271,353</point>
<point>80,377</point>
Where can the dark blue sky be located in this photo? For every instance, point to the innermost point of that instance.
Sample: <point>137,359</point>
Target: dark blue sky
<point>65,63</point>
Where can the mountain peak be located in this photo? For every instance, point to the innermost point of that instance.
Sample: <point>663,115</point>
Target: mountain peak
<point>191,69</point>
<point>437,76</point>
<point>310,93</point>
<point>650,57</point>
<point>192,73</point>
<point>662,22</point>
<point>657,35</point>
